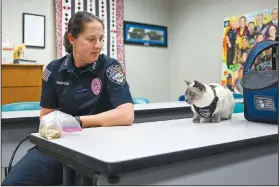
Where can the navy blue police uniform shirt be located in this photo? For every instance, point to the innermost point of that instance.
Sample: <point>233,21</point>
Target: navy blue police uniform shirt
<point>96,88</point>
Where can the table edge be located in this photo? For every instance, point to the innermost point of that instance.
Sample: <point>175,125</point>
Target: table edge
<point>115,168</point>
<point>20,120</point>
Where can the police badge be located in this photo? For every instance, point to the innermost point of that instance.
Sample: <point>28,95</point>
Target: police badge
<point>115,74</point>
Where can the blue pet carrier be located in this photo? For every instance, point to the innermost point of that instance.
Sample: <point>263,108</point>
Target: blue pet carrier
<point>260,87</point>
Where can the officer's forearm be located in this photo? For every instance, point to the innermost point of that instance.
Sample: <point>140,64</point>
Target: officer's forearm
<point>123,115</point>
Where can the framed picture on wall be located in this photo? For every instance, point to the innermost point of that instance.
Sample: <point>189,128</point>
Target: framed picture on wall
<point>33,34</point>
<point>145,34</point>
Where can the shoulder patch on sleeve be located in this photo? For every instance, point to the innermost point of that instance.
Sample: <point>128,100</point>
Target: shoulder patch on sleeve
<point>115,74</point>
<point>46,75</point>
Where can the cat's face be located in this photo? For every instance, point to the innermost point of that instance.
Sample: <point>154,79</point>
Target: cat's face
<point>194,91</point>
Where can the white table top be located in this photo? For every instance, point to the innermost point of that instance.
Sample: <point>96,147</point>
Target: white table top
<point>21,114</point>
<point>239,100</point>
<point>121,143</point>
<point>162,105</point>
<point>137,107</point>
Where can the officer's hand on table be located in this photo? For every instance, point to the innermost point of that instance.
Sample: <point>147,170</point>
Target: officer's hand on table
<point>60,118</point>
<point>122,115</point>
<point>53,123</point>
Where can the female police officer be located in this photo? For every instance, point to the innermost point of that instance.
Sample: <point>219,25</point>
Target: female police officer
<point>84,84</point>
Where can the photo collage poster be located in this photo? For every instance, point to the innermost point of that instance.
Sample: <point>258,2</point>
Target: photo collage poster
<point>240,34</point>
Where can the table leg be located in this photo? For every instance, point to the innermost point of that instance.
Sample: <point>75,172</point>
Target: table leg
<point>69,176</point>
<point>94,179</point>
<point>113,179</point>
<point>6,171</point>
<point>85,181</point>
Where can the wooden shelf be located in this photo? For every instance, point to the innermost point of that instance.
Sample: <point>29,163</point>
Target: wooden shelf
<point>21,82</point>
<point>24,65</point>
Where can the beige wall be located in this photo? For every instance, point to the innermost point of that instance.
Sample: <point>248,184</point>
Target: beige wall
<point>12,11</point>
<point>147,67</point>
<point>195,53</point>
<point>155,73</point>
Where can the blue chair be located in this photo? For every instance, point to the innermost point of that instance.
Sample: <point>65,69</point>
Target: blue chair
<point>181,98</point>
<point>237,96</point>
<point>140,100</point>
<point>238,108</point>
<point>21,106</point>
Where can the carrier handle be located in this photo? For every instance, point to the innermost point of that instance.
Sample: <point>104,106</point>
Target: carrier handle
<point>255,51</point>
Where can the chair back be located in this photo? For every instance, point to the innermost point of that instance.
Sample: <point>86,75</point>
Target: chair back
<point>140,100</point>
<point>21,106</point>
<point>238,108</point>
<point>181,98</point>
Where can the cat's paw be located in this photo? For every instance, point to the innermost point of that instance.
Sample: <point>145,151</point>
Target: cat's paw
<point>227,118</point>
<point>205,120</point>
<point>196,120</point>
<point>216,120</point>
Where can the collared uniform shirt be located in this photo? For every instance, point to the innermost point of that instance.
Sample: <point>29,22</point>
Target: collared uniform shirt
<point>98,87</point>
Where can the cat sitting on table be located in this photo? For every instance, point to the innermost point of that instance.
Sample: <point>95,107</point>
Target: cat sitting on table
<point>209,102</point>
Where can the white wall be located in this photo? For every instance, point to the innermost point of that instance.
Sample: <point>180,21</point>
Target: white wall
<point>147,67</point>
<point>12,22</point>
<point>155,73</point>
<point>196,54</point>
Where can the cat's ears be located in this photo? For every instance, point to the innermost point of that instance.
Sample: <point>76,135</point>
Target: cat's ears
<point>187,82</point>
<point>197,82</point>
<point>199,85</point>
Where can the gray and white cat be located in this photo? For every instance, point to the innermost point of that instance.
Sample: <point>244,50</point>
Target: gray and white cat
<point>210,102</point>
